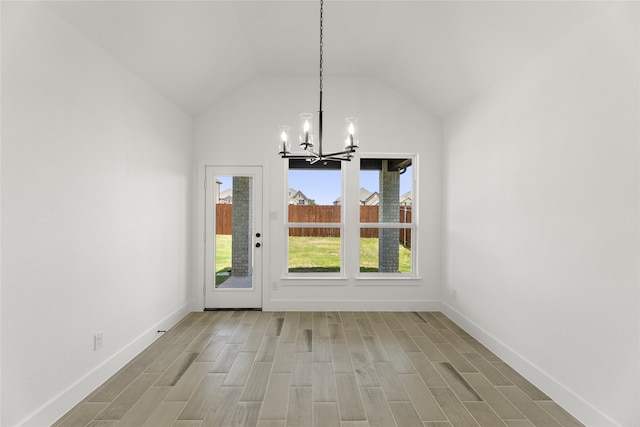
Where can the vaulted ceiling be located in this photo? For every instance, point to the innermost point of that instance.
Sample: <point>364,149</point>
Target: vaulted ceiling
<point>439,53</point>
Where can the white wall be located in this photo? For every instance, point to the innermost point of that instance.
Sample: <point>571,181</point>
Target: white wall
<point>96,197</point>
<point>542,209</point>
<point>245,125</point>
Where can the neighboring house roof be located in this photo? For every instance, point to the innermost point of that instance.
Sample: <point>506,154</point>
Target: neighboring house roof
<point>226,195</point>
<point>366,197</point>
<point>372,198</point>
<point>406,199</point>
<point>297,197</point>
<point>369,198</point>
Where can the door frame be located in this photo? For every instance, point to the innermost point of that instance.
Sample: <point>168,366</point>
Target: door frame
<point>200,229</point>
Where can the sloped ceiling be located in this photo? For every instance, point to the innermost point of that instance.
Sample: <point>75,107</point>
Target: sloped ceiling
<point>439,53</point>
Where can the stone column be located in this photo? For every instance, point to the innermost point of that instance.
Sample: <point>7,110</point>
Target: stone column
<point>389,211</point>
<point>241,226</point>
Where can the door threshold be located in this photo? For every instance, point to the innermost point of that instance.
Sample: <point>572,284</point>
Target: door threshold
<point>233,309</point>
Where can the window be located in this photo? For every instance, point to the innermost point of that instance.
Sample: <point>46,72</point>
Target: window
<point>314,218</point>
<point>373,219</point>
<point>386,215</point>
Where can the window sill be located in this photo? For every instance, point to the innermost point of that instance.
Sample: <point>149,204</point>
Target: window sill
<point>337,280</point>
<point>360,280</point>
<point>376,280</point>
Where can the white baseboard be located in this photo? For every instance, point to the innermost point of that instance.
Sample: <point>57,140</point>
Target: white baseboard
<point>560,394</point>
<point>351,305</point>
<point>578,407</point>
<point>72,395</point>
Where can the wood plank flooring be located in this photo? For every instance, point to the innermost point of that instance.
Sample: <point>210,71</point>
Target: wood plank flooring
<point>317,369</point>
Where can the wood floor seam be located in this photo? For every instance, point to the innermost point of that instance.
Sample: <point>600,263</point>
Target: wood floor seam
<point>317,369</point>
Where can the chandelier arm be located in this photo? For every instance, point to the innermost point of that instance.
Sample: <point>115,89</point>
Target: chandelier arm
<point>299,156</point>
<point>335,156</point>
<point>340,153</point>
<point>338,159</point>
<point>308,153</point>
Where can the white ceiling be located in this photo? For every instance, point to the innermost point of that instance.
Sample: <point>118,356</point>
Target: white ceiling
<point>439,53</point>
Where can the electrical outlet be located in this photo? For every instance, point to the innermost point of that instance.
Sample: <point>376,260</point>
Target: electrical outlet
<point>97,341</point>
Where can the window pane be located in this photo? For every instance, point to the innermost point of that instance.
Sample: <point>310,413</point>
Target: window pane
<point>314,250</point>
<point>314,194</point>
<point>386,192</point>
<point>385,250</point>
<point>233,243</point>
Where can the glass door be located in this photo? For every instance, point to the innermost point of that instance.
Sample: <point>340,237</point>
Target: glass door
<point>233,237</point>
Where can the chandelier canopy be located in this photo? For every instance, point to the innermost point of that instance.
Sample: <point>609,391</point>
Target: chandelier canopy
<point>308,141</point>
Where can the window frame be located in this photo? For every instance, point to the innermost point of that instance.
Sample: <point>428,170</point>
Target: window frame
<point>349,195</point>
<point>336,225</point>
<point>413,226</point>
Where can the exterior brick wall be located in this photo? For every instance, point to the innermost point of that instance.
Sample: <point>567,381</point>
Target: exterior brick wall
<point>388,254</point>
<point>241,226</point>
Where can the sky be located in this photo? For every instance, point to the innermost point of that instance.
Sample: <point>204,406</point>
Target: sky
<point>324,185</point>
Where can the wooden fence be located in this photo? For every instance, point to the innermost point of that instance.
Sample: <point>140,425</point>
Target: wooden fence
<point>406,217</point>
<point>322,214</point>
<point>223,218</point>
<point>370,214</point>
<point>314,213</point>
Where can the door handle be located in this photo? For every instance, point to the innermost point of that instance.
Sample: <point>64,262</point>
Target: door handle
<point>257,245</point>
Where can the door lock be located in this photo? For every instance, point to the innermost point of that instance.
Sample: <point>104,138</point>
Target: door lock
<point>257,245</point>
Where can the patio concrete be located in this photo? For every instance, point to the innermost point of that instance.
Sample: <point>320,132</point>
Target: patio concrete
<point>236,282</point>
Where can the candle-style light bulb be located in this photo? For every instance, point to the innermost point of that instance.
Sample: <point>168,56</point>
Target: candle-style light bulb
<point>307,126</point>
<point>306,137</point>
<point>351,143</point>
<point>352,130</point>
<point>284,138</point>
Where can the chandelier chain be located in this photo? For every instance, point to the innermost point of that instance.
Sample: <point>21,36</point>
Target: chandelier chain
<point>313,152</point>
<point>321,40</point>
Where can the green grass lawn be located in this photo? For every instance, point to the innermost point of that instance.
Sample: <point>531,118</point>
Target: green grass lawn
<point>314,254</point>
<point>322,254</point>
<point>317,254</point>
<point>223,257</point>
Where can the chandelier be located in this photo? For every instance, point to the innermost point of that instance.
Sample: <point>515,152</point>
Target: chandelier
<point>311,145</point>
